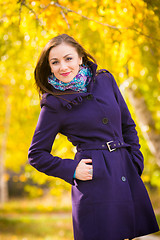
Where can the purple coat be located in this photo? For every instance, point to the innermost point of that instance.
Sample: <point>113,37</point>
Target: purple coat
<point>113,205</point>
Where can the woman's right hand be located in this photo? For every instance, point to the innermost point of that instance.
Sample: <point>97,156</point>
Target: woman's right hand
<point>83,171</point>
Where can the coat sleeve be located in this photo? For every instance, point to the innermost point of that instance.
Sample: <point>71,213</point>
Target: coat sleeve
<point>39,152</point>
<point>128,129</point>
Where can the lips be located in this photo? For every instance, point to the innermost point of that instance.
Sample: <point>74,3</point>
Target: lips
<point>65,74</point>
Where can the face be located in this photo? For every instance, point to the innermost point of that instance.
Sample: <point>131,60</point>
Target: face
<point>64,62</point>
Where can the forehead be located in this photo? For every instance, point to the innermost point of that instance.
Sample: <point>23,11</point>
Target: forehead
<point>62,50</point>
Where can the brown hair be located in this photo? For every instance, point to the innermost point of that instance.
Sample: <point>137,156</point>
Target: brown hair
<point>42,70</point>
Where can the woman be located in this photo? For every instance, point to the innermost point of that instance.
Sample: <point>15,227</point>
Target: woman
<point>109,200</point>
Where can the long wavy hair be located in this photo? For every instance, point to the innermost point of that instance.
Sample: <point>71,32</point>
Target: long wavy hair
<point>43,70</point>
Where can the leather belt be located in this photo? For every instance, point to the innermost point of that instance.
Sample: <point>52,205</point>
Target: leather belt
<point>110,145</point>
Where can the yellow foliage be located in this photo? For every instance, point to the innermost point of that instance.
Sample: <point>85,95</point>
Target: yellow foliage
<point>101,11</point>
<point>93,26</point>
<point>63,2</point>
<point>130,51</point>
<point>158,74</point>
<point>22,178</point>
<point>34,192</point>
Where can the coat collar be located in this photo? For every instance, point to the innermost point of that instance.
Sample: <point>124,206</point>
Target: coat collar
<point>70,98</point>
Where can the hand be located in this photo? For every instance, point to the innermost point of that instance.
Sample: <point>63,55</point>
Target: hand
<point>82,170</point>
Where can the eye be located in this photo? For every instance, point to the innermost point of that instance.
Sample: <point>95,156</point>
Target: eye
<point>69,58</point>
<point>55,62</point>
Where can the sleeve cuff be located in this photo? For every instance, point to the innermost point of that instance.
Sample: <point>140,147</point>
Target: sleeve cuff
<point>74,175</point>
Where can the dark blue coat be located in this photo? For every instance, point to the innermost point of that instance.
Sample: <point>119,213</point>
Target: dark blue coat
<point>113,205</point>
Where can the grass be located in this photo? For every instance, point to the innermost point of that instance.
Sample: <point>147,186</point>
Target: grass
<point>38,205</point>
<point>43,218</point>
<point>36,227</point>
<point>36,219</point>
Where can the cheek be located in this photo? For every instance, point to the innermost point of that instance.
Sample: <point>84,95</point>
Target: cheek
<point>76,66</point>
<point>53,69</point>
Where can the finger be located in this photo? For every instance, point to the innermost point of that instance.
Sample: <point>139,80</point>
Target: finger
<point>90,171</point>
<point>87,160</point>
<point>89,177</point>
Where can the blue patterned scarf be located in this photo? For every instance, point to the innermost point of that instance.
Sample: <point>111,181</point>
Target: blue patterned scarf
<point>79,82</point>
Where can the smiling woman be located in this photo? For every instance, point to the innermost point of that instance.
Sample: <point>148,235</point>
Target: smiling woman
<point>64,62</point>
<point>109,199</point>
<point>60,66</point>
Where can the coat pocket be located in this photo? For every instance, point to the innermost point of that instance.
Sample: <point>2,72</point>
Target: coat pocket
<point>83,155</point>
<point>137,163</point>
<point>134,162</point>
<point>101,166</point>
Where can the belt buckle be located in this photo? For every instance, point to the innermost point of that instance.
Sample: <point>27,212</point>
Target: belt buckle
<point>109,147</point>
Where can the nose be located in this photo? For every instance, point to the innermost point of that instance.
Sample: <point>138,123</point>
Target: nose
<point>63,66</point>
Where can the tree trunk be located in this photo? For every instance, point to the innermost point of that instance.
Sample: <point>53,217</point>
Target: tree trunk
<point>3,181</point>
<point>146,123</point>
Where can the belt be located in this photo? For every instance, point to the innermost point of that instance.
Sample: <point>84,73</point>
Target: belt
<point>110,145</point>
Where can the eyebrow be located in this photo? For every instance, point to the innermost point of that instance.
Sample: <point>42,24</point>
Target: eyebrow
<point>63,57</point>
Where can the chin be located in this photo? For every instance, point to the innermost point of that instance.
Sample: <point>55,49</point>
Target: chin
<point>65,80</point>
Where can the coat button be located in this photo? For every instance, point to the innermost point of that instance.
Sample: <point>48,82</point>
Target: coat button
<point>74,102</point>
<point>90,96</point>
<point>123,179</point>
<point>105,120</point>
<point>79,99</point>
<point>69,106</point>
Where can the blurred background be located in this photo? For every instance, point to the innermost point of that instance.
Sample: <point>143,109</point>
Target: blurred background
<point>124,37</point>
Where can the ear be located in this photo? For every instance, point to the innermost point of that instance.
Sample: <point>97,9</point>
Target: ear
<point>80,61</point>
